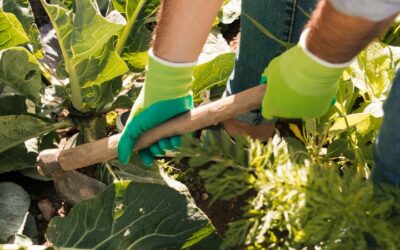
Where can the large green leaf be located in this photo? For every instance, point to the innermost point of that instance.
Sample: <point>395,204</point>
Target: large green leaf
<point>19,70</point>
<point>149,8</point>
<point>86,41</point>
<point>11,31</point>
<point>20,157</point>
<point>135,51</point>
<point>17,158</point>
<point>213,73</point>
<point>137,172</point>
<point>13,105</point>
<point>120,5</point>
<point>129,216</point>
<point>16,129</point>
<point>135,38</point>
<point>14,204</point>
<point>22,10</point>
<point>23,157</point>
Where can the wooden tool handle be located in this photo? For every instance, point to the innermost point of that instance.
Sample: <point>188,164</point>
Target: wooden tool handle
<point>107,149</point>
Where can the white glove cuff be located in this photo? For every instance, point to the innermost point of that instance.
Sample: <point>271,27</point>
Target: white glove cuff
<point>171,64</point>
<point>303,45</point>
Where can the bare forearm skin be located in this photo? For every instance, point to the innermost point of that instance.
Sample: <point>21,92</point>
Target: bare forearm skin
<point>338,38</point>
<point>183,27</point>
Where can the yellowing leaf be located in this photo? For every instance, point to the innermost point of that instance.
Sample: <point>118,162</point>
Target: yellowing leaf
<point>352,120</point>
<point>296,131</point>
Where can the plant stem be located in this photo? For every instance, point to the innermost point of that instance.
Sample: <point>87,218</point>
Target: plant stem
<point>392,36</point>
<point>111,171</point>
<point>76,95</point>
<point>64,124</point>
<point>129,27</point>
<point>358,154</point>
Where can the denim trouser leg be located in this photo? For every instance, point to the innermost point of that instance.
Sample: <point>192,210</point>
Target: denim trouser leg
<point>387,145</point>
<point>286,20</point>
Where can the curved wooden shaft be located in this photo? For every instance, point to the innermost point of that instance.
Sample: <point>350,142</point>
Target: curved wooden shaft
<point>107,149</point>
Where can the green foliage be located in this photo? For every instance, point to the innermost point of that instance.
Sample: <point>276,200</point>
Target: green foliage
<point>17,129</point>
<point>15,104</point>
<point>293,204</point>
<point>212,74</point>
<point>135,38</point>
<point>311,190</point>
<point>22,10</point>
<point>17,158</point>
<point>85,38</point>
<point>20,70</point>
<point>124,217</point>
<point>345,135</point>
<point>221,177</point>
<point>391,36</point>
<point>11,31</point>
<point>93,70</point>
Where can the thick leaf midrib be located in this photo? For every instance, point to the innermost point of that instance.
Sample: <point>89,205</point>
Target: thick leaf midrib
<point>76,95</point>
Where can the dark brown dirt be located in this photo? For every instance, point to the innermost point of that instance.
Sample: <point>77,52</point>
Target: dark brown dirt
<point>221,213</point>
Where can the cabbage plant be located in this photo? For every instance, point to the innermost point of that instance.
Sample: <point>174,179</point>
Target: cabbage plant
<point>72,86</point>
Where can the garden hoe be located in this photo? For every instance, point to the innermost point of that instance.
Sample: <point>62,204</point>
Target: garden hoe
<point>59,164</point>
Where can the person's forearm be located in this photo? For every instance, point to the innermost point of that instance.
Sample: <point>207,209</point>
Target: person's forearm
<point>183,27</point>
<point>336,37</point>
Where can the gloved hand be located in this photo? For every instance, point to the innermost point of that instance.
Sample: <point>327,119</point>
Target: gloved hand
<point>166,93</point>
<point>300,85</point>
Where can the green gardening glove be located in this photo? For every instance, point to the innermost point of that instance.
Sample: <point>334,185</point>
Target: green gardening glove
<point>300,85</point>
<point>165,94</point>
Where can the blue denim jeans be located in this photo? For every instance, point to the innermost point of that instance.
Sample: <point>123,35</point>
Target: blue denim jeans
<point>286,20</point>
<point>387,145</point>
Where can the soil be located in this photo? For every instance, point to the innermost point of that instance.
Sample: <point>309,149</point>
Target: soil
<point>221,213</point>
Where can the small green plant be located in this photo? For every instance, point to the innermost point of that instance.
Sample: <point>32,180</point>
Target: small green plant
<point>294,203</point>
